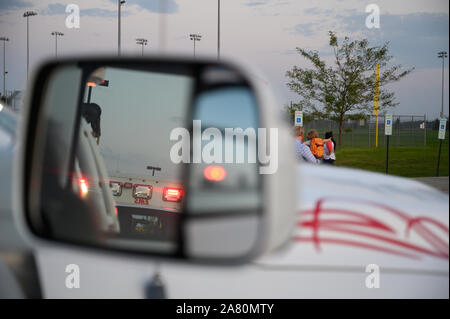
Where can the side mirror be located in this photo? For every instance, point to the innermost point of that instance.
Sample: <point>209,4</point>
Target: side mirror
<point>164,157</point>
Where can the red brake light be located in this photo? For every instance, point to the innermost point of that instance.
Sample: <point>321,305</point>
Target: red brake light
<point>84,187</point>
<point>171,194</point>
<point>127,185</point>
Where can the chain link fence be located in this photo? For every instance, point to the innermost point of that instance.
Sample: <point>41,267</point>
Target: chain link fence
<point>407,130</point>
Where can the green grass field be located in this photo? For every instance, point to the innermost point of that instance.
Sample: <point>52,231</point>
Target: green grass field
<point>360,138</point>
<point>407,161</point>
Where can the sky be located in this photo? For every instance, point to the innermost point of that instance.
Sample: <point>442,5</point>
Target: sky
<point>261,33</point>
<point>130,135</point>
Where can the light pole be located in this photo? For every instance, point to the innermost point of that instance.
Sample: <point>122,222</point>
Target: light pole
<point>442,55</point>
<point>4,39</point>
<point>142,42</point>
<point>218,29</point>
<point>28,14</point>
<point>120,3</point>
<point>56,34</point>
<point>195,37</point>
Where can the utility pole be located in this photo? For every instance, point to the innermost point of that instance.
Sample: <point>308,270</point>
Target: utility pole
<point>4,39</point>
<point>120,3</point>
<point>195,37</point>
<point>142,42</point>
<point>56,34</point>
<point>28,14</point>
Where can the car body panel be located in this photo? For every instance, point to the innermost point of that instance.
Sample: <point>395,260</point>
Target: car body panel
<point>9,237</point>
<point>296,269</point>
<point>300,270</point>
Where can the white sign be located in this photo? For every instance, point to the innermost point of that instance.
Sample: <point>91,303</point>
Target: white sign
<point>388,124</point>
<point>298,120</point>
<point>442,124</point>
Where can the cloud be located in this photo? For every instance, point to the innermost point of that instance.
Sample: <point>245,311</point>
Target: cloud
<point>414,38</point>
<point>316,11</point>
<point>151,5</point>
<point>255,3</point>
<point>58,8</point>
<point>14,4</point>
<point>306,29</point>
<point>54,9</point>
<point>154,5</point>
<point>94,12</point>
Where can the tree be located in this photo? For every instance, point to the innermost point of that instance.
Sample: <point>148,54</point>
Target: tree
<point>347,87</point>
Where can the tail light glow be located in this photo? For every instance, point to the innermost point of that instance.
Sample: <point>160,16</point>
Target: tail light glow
<point>171,194</point>
<point>84,187</point>
<point>215,173</point>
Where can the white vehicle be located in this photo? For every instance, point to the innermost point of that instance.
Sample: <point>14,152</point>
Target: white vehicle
<point>9,239</point>
<point>90,180</point>
<point>302,232</point>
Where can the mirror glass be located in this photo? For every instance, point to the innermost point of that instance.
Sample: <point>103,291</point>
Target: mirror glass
<point>226,185</point>
<point>111,172</point>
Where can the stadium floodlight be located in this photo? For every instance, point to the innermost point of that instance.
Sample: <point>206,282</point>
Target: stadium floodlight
<point>142,42</point>
<point>195,37</point>
<point>28,14</point>
<point>4,39</point>
<point>56,34</point>
<point>442,55</point>
<point>120,3</point>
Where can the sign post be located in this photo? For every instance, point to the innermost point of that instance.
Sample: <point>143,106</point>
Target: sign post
<point>298,120</point>
<point>441,136</point>
<point>388,133</point>
<point>376,100</point>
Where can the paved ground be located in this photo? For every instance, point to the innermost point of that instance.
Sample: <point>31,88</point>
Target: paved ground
<point>440,183</point>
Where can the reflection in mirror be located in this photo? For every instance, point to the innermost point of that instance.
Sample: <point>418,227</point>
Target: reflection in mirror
<point>229,175</point>
<point>227,182</point>
<point>121,169</point>
<point>104,159</point>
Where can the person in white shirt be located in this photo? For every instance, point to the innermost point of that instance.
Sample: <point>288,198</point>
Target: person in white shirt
<point>329,157</point>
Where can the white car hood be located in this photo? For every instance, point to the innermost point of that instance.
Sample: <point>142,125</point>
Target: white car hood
<point>351,218</point>
<point>304,269</point>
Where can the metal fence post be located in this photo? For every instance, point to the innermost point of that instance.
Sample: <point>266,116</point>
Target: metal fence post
<point>424,130</point>
<point>352,138</point>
